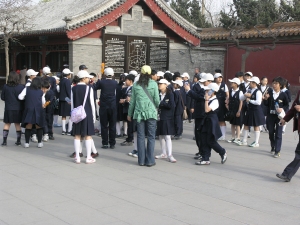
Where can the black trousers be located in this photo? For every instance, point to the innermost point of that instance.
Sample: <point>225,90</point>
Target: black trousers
<point>198,122</point>
<point>293,167</point>
<point>190,115</point>
<point>178,125</point>
<point>275,132</point>
<point>108,118</point>
<point>129,131</point>
<point>208,142</point>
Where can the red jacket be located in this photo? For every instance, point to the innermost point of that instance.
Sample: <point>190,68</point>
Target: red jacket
<point>292,113</point>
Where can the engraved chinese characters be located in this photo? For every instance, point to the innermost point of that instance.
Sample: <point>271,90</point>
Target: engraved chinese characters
<point>137,54</point>
<point>159,54</point>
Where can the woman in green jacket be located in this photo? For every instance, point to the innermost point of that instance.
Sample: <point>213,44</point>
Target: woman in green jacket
<point>143,108</point>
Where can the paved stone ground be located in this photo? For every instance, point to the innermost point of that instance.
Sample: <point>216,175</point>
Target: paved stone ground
<point>43,186</point>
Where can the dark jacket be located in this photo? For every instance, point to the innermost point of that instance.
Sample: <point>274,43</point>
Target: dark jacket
<point>64,89</point>
<point>108,93</point>
<point>167,107</point>
<point>126,92</point>
<point>292,113</point>
<point>282,101</point>
<point>197,94</point>
<point>179,104</point>
<point>10,96</point>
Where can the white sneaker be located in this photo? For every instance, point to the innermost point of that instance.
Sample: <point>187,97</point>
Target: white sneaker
<point>162,156</point>
<point>254,145</point>
<point>203,163</point>
<point>172,159</point>
<point>34,138</point>
<point>242,143</point>
<point>236,141</point>
<point>45,137</point>
<point>90,160</point>
<point>77,161</point>
<point>231,140</point>
<point>221,138</point>
<point>40,145</point>
<point>26,145</point>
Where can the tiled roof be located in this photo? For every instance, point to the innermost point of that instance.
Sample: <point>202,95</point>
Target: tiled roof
<point>281,29</point>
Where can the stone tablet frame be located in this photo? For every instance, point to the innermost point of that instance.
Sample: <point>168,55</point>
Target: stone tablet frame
<point>125,53</point>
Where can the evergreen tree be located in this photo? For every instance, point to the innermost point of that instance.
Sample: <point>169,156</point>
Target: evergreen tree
<point>197,18</point>
<point>290,12</point>
<point>182,8</point>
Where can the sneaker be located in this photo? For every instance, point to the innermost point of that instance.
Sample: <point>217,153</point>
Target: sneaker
<point>105,146</point>
<point>272,150</point>
<point>45,137</point>
<point>133,153</point>
<point>197,154</point>
<point>63,132</point>
<point>231,140</point>
<point>51,138</point>
<point>172,159</point>
<point>118,136</point>
<point>56,125</point>
<point>90,160</point>
<point>249,135</point>
<point>68,133</point>
<point>73,155</point>
<point>94,155</point>
<point>161,156</point>
<point>199,157</point>
<point>203,163</point>
<point>242,143</point>
<point>254,145</point>
<point>224,158</point>
<point>236,141</point>
<point>77,161</point>
<point>18,143</point>
<point>283,177</point>
<point>26,145</point>
<point>221,139</point>
<point>34,138</point>
<point>4,144</point>
<point>125,143</point>
<point>177,137</point>
<point>112,147</point>
<point>276,155</point>
<point>40,145</point>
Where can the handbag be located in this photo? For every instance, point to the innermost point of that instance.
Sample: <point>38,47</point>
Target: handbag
<point>78,114</point>
<point>184,114</point>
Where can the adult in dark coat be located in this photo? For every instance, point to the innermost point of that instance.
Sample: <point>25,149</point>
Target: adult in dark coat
<point>294,113</point>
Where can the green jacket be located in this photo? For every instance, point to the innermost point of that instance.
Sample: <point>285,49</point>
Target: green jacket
<point>141,107</point>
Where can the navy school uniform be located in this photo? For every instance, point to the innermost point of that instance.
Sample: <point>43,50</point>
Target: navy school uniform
<point>165,124</point>
<point>275,131</point>
<point>13,106</point>
<point>244,88</point>
<point>179,108</point>
<point>49,97</point>
<point>189,102</point>
<point>221,96</point>
<point>254,116</point>
<point>288,94</point>
<point>86,126</point>
<point>119,106</point>
<point>33,111</point>
<point>210,133</point>
<point>234,103</point>
<point>126,92</point>
<point>64,91</point>
<point>264,90</point>
<point>52,82</point>
<point>108,110</point>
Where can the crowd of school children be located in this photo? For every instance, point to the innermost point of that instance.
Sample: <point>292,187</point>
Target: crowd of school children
<point>146,104</point>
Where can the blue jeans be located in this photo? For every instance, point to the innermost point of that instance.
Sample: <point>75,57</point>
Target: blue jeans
<point>146,154</point>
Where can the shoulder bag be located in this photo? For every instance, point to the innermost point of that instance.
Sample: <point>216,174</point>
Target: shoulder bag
<point>78,114</point>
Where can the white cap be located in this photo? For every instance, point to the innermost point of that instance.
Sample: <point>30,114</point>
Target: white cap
<point>179,82</point>
<point>249,73</point>
<point>109,72</point>
<point>56,77</point>
<point>160,74</point>
<point>218,75</point>
<point>46,70</point>
<point>202,75</point>
<point>235,80</point>
<point>31,72</point>
<point>126,74</point>
<point>133,72</point>
<point>83,73</point>
<point>67,71</point>
<point>185,74</point>
<point>212,86</point>
<point>207,77</point>
<point>163,81</point>
<point>168,71</point>
<point>254,79</point>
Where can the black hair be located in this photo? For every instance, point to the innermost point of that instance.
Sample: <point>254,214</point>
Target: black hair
<point>13,79</point>
<point>76,80</point>
<point>36,83</point>
<point>130,77</point>
<point>153,72</point>
<point>93,74</point>
<point>45,83</point>
<point>24,67</point>
<point>239,74</point>
<point>280,80</point>
<point>168,77</point>
<point>287,84</point>
<point>65,75</point>
<point>263,78</point>
<point>122,79</point>
<point>143,80</point>
<point>218,71</point>
<point>176,74</point>
<point>197,76</point>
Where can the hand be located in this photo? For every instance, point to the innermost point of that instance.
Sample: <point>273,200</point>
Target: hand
<point>44,106</point>
<point>206,96</point>
<point>192,110</point>
<point>279,110</point>
<point>248,95</point>
<point>282,121</point>
<point>238,114</point>
<point>297,107</point>
<point>122,101</point>
<point>128,99</point>
<point>266,96</point>
<point>129,118</point>
<point>187,87</point>
<point>247,99</point>
<point>99,76</point>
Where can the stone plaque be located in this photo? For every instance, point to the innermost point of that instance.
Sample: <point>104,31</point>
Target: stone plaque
<point>137,52</point>
<point>159,54</point>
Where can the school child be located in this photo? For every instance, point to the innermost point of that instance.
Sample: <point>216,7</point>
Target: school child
<point>288,93</point>
<point>165,124</point>
<point>235,106</point>
<point>186,80</point>
<point>264,88</point>
<point>119,106</point>
<point>56,107</point>
<point>125,101</point>
<point>83,94</point>
<point>210,129</point>
<point>33,115</point>
<point>222,96</point>
<point>275,101</point>
<point>64,106</point>
<point>13,106</point>
<point>179,107</point>
<point>48,74</point>
<point>92,85</point>
<point>160,75</point>
<point>254,116</point>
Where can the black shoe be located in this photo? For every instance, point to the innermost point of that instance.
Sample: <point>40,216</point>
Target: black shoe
<point>69,133</point>
<point>149,165</point>
<point>63,132</point>
<point>272,150</point>
<point>51,137</point>
<point>4,144</point>
<point>125,135</point>
<point>190,121</point>
<point>141,164</point>
<point>95,155</point>
<point>73,155</point>
<point>105,146</point>
<point>199,157</point>
<point>118,136</point>
<point>282,177</point>
<point>177,137</point>
<point>125,143</point>
<point>197,154</point>
<point>18,143</point>
<point>112,147</point>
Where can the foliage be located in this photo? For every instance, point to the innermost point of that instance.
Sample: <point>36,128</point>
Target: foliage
<point>290,10</point>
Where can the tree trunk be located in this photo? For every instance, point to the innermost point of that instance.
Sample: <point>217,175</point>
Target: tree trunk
<point>6,49</point>
<point>244,58</point>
